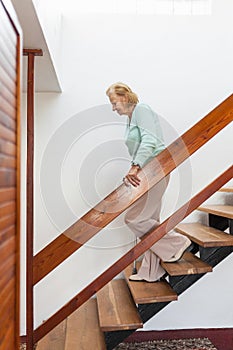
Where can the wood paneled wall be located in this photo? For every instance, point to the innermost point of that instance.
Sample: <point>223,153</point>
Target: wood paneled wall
<point>9,181</point>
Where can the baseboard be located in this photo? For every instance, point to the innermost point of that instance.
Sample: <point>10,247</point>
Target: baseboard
<point>222,338</point>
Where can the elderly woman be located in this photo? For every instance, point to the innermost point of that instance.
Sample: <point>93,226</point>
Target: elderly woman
<point>144,141</point>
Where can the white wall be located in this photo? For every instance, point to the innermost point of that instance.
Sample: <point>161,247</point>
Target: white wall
<point>50,18</point>
<point>182,67</point>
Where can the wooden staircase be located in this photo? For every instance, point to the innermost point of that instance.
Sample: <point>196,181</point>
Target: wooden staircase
<point>123,306</point>
<point>104,212</point>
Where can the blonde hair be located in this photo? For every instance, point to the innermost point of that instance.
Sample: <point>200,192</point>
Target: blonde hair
<point>122,89</point>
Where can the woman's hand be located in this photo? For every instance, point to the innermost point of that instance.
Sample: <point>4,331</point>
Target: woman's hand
<point>132,176</point>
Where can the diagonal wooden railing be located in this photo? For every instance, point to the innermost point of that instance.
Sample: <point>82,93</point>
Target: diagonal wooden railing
<point>116,202</point>
<point>147,241</point>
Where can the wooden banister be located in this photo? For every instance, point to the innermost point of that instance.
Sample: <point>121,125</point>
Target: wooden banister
<point>148,240</point>
<point>117,201</point>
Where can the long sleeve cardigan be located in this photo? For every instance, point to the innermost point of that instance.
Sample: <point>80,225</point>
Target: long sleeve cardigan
<point>143,135</point>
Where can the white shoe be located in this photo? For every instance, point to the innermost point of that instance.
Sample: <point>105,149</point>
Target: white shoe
<point>180,253</point>
<point>136,278</point>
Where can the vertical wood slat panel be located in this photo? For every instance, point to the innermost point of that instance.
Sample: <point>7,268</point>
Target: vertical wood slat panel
<point>7,162</point>
<point>9,201</point>
<point>8,341</point>
<point>7,148</point>
<point>6,107</point>
<point>7,95</point>
<point>6,66</point>
<point>6,52</point>
<point>9,277</point>
<point>7,177</point>
<point>7,209</point>
<point>8,314</point>
<point>7,222</point>
<point>7,121</point>
<point>7,134</point>
<point>6,80</point>
<point>7,194</point>
<point>5,63</point>
<point>7,248</point>
<point>7,272</point>
<point>8,295</point>
<point>7,32</point>
<point>6,45</point>
<point>7,234</point>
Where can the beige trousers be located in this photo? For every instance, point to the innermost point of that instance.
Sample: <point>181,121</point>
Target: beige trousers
<point>144,215</point>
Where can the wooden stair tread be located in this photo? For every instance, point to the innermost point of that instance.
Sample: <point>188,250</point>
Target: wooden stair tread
<point>54,339</point>
<point>189,264</point>
<point>117,310</point>
<point>204,235</point>
<point>226,189</point>
<point>146,293</point>
<point>83,328</point>
<point>220,210</point>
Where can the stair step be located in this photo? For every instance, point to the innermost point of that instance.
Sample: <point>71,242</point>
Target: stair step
<point>226,189</point>
<point>221,210</point>
<point>146,293</point>
<point>189,264</point>
<point>54,339</point>
<point>83,330</point>
<point>204,235</point>
<point>117,310</point>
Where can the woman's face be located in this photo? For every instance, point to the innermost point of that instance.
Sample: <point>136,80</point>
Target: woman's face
<point>119,104</point>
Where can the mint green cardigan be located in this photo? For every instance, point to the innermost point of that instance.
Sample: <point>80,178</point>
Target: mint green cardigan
<point>143,135</point>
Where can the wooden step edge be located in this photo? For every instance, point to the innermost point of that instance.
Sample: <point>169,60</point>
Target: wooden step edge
<point>225,211</point>
<point>83,328</point>
<point>226,189</point>
<point>149,292</point>
<point>189,264</point>
<point>116,308</point>
<point>205,236</point>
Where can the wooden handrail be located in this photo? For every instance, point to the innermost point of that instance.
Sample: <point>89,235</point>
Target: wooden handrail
<point>117,201</point>
<point>147,241</point>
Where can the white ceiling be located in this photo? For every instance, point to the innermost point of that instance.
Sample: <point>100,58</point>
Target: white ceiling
<point>46,79</point>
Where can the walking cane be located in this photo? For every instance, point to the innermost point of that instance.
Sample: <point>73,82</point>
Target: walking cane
<point>134,270</point>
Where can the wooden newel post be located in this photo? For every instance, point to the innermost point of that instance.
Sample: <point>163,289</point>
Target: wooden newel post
<point>31,53</point>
